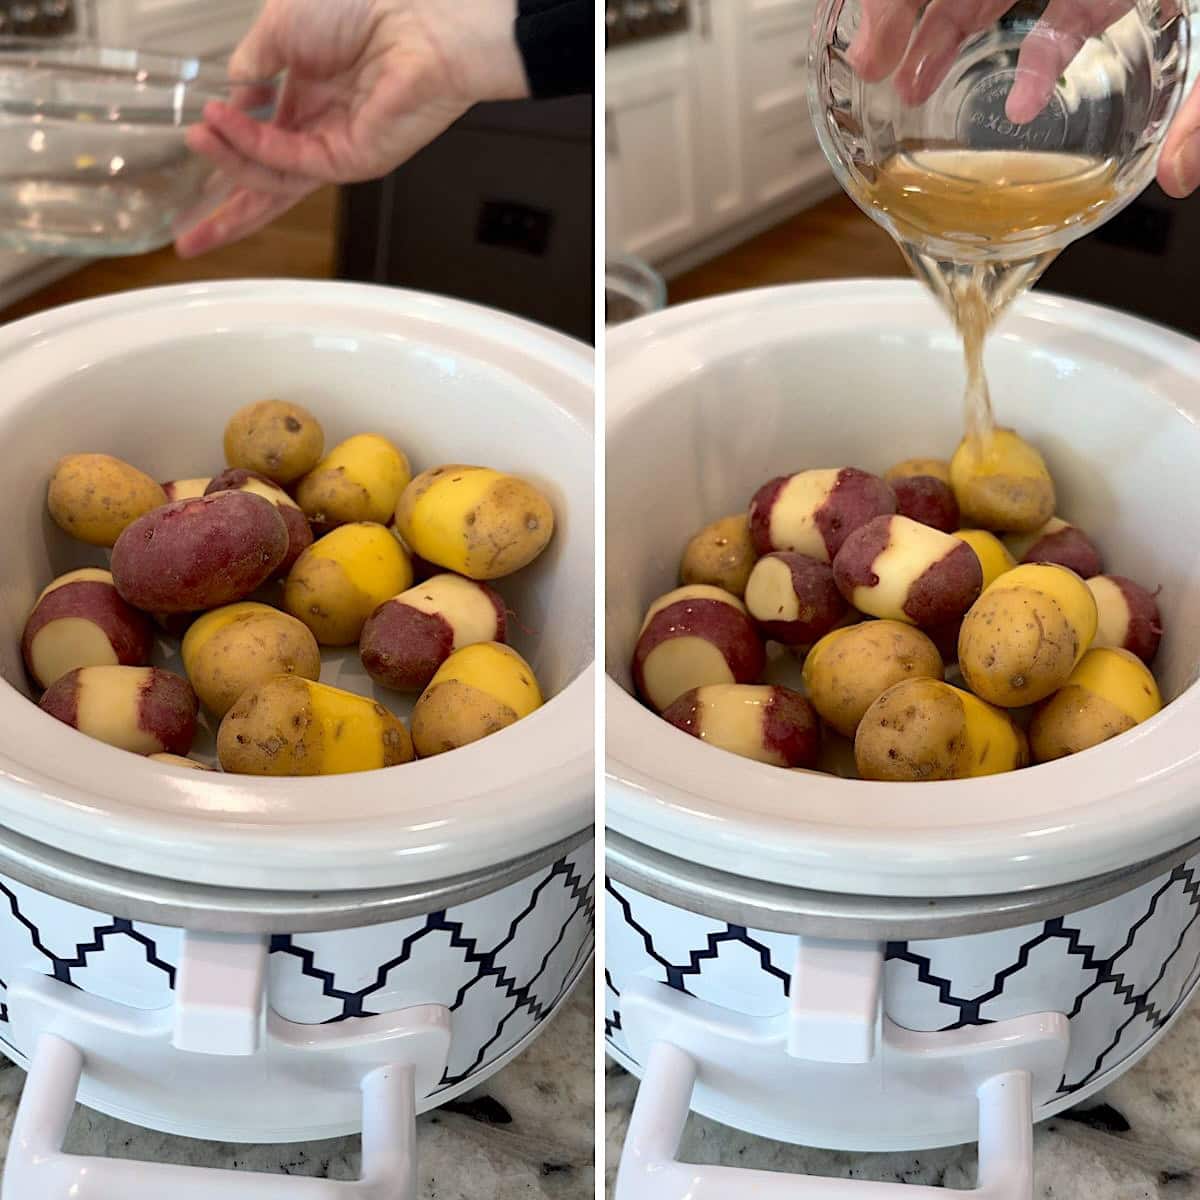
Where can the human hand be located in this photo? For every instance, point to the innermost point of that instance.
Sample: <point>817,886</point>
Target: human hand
<point>886,45</point>
<point>369,83</point>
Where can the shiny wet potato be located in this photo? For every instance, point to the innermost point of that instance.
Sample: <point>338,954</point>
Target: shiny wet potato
<point>1003,485</point>
<point>292,726</point>
<point>274,438</point>
<point>720,555</point>
<point>95,497</point>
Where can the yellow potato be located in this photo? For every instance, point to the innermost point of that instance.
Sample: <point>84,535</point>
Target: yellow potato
<point>925,729</point>
<point>848,669</point>
<point>95,496</point>
<point>292,726</point>
<point>360,479</point>
<point>721,554</point>
<point>242,645</point>
<point>339,581</point>
<point>1003,484</point>
<point>477,691</point>
<point>992,553</point>
<point>1109,693</point>
<point>274,438</point>
<point>1025,635</point>
<point>474,521</point>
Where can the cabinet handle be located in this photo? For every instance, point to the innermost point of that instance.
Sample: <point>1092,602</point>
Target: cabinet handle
<point>706,28</point>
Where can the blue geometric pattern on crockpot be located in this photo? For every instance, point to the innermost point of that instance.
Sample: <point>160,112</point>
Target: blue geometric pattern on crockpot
<point>1119,970</point>
<point>501,963</point>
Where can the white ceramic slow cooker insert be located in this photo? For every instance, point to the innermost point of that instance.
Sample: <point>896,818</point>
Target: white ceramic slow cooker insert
<point>882,966</point>
<point>283,959</point>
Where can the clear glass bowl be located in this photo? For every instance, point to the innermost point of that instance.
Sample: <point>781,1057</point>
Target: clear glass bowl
<point>632,289</point>
<point>1108,107</point>
<point>93,159</point>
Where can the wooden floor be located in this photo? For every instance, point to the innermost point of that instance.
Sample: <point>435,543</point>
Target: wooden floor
<point>831,241</point>
<point>300,245</point>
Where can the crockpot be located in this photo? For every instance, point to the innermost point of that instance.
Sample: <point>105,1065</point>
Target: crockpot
<point>861,966</point>
<point>265,960</point>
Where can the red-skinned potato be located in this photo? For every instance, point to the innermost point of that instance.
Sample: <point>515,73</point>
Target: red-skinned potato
<point>793,599</point>
<point>300,536</point>
<point>768,724</point>
<point>1128,616</point>
<point>80,620</point>
<point>186,489</point>
<point>720,555</point>
<point>913,468</point>
<point>814,512</point>
<point>927,500</point>
<point>691,637</point>
<point>141,709</point>
<point>406,639</point>
<point>1058,542</point>
<point>900,570</point>
<point>200,553</point>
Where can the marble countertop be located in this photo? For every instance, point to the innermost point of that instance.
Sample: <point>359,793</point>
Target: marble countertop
<point>1137,1140</point>
<point>527,1133</point>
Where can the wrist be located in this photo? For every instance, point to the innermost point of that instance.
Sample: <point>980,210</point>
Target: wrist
<point>478,40</point>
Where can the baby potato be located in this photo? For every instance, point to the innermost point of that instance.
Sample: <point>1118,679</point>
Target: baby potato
<point>80,620</point>
<point>768,724</point>
<point>1003,484</point>
<point>477,691</point>
<point>992,553</point>
<point>720,555</point>
<point>242,645</point>
<point>1109,693</point>
<point>200,553</point>
<point>407,638</point>
<point>339,581</point>
<point>916,468</point>
<point>849,669</point>
<point>691,637</point>
<point>814,512</point>
<point>474,521</point>
<point>793,599</point>
<point>1058,542</point>
<point>1026,634</point>
<point>927,500</point>
<point>1128,616</point>
<point>140,709</point>
<point>274,438</point>
<point>300,537</point>
<point>186,489</point>
<point>360,479</point>
<point>178,760</point>
<point>924,729</point>
<point>293,726</point>
<point>901,570</point>
<point>95,497</point>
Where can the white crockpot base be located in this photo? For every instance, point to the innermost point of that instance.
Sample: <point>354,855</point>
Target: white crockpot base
<point>708,401</point>
<point>1120,971</point>
<point>502,964</point>
<point>153,377</point>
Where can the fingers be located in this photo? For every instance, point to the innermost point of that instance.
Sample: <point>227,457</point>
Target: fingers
<point>243,213</point>
<point>945,26</point>
<point>237,168</point>
<point>882,38</point>
<point>271,146</point>
<point>1179,166</point>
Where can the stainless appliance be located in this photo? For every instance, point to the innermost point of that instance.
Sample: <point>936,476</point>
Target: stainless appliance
<point>635,20</point>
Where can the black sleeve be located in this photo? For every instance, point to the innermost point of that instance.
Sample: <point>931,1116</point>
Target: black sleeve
<point>555,38</point>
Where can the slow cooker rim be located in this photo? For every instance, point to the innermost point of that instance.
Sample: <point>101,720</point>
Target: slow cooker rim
<point>689,822</point>
<point>244,853</point>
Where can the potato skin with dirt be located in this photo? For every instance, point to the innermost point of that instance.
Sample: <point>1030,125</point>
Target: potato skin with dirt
<point>141,709</point>
<point>1026,634</point>
<point>1109,693</point>
<point>1003,486</point>
<point>274,438</point>
<point>924,729</point>
<point>199,553</point>
<point>80,620</point>
<point>243,645</point>
<point>360,479</point>
<point>720,555</point>
<point>474,521</point>
<point>339,581</point>
<point>291,726</point>
<point>849,669</point>
<point>476,692</point>
<point>95,497</point>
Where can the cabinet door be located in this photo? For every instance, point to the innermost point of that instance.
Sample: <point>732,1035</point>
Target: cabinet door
<point>651,155</point>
